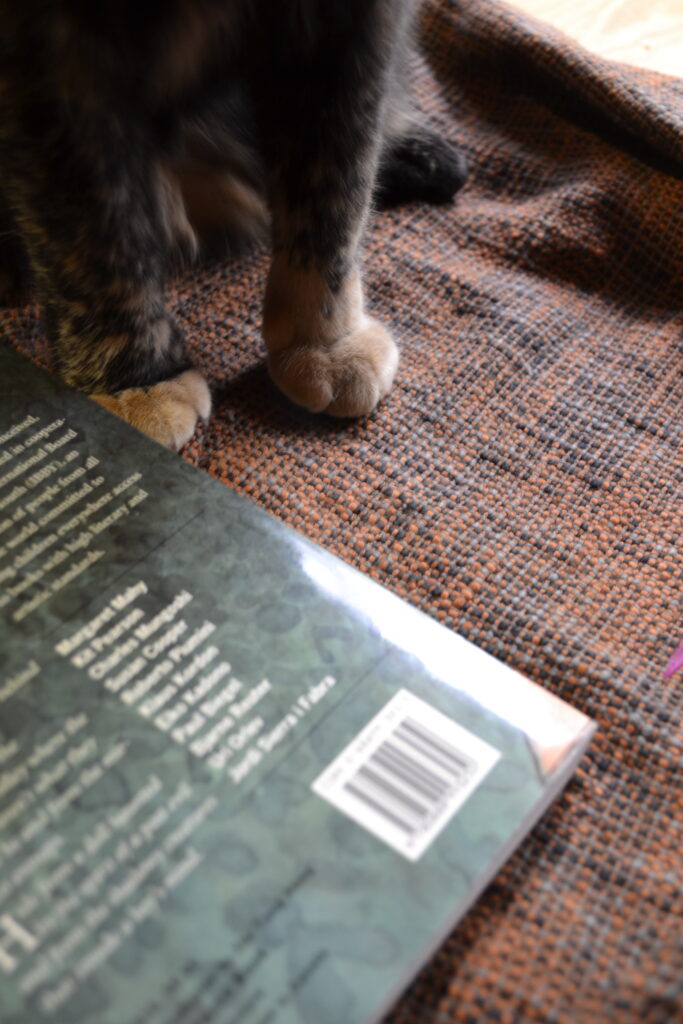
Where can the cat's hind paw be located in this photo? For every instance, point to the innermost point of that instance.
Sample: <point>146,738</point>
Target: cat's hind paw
<point>167,412</point>
<point>346,378</point>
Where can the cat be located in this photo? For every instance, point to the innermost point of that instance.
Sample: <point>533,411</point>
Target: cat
<point>134,133</point>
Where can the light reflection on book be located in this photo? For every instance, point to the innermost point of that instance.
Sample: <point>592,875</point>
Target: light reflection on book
<point>550,725</point>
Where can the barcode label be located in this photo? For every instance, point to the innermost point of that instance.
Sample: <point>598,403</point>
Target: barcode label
<point>405,775</point>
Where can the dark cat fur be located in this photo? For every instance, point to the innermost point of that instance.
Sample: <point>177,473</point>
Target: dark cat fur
<point>132,131</point>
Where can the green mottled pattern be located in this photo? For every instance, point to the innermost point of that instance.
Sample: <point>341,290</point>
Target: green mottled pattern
<point>356,916</point>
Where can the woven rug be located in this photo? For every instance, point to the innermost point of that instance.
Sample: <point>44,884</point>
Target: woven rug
<point>523,483</point>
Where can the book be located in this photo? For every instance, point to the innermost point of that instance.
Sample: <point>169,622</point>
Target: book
<point>240,782</point>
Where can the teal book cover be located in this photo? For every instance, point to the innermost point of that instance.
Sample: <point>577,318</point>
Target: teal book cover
<point>240,783</point>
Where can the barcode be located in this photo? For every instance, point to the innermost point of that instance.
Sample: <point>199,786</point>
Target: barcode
<point>405,775</point>
<point>410,776</point>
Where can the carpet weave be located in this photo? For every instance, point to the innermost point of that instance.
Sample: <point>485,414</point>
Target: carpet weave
<point>523,483</point>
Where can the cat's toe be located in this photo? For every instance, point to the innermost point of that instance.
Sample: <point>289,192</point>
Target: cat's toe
<point>168,411</point>
<point>420,167</point>
<point>347,378</point>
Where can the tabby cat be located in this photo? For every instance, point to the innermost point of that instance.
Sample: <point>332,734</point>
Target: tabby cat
<point>133,132</point>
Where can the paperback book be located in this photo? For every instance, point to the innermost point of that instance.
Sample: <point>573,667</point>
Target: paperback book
<point>240,782</point>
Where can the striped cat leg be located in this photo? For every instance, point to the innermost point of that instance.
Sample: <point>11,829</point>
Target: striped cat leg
<point>321,127</point>
<point>96,219</point>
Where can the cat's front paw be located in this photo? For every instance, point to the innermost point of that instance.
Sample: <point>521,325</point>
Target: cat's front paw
<point>168,411</point>
<point>345,378</point>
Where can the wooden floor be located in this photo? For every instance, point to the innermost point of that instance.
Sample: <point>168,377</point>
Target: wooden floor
<point>648,33</point>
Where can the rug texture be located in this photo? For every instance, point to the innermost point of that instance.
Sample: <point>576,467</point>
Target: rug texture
<point>523,483</point>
